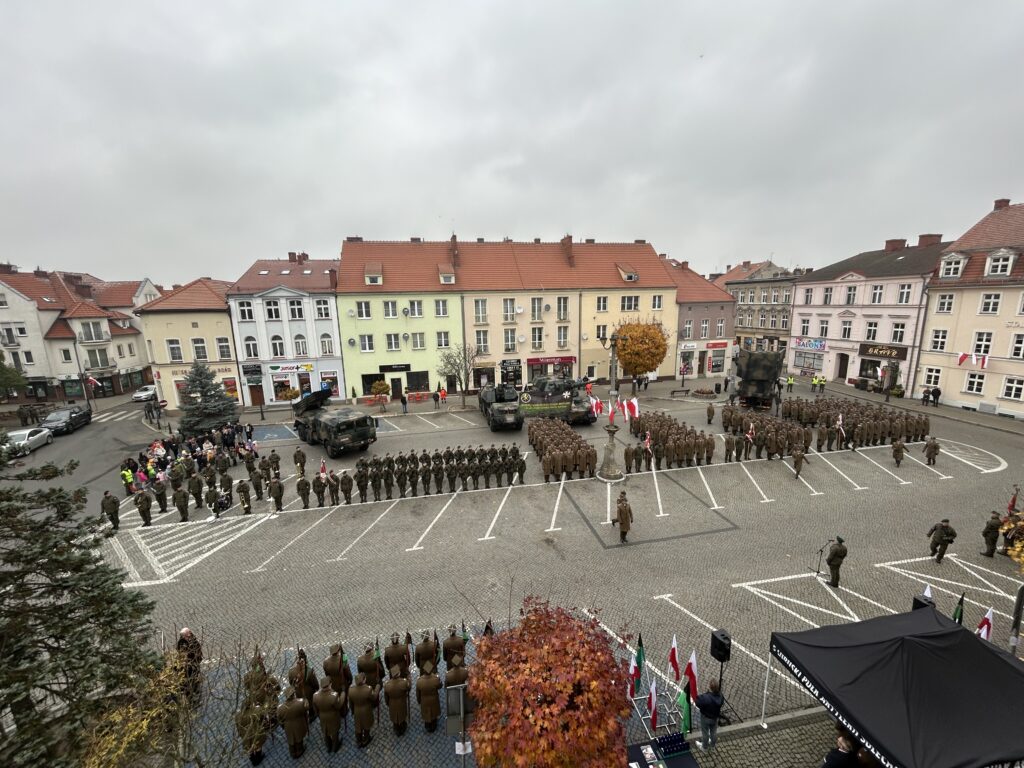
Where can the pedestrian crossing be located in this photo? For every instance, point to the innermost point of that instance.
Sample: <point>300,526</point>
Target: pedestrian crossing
<point>108,416</point>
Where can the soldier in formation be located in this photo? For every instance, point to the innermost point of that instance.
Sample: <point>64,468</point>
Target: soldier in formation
<point>665,441</point>
<point>561,450</point>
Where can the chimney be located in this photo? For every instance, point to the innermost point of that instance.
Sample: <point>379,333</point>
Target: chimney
<point>923,240</point>
<point>589,241</point>
<point>8,269</point>
<point>175,286</point>
<point>639,241</point>
<point>40,272</point>
<point>684,265</point>
<point>415,239</point>
<point>301,258</point>
<point>895,244</point>
<point>566,243</point>
<point>83,290</point>
<point>808,270</point>
<point>479,239</point>
<point>353,239</point>
<point>728,267</point>
<point>536,239</point>
<point>1002,202</point>
<point>332,277</point>
<point>746,263</point>
<point>453,250</point>
<point>291,256</point>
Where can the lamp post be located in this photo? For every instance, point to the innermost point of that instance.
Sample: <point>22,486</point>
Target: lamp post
<point>610,471</point>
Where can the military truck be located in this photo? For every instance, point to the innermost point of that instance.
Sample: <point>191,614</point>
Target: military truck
<point>758,374</point>
<point>336,429</point>
<point>500,406</point>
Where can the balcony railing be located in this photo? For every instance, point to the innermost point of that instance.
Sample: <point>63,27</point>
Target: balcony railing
<point>102,338</point>
<point>10,341</point>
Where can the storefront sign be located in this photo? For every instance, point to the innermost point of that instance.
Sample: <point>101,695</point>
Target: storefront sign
<point>184,371</point>
<point>252,370</point>
<point>395,368</point>
<point>511,365</point>
<point>883,351</point>
<point>550,360</point>
<point>814,345</point>
<point>689,345</point>
<point>290,367</point>
<point>717,344</point>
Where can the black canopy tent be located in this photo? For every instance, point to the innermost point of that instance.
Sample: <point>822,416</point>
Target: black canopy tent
<point>917,689</point>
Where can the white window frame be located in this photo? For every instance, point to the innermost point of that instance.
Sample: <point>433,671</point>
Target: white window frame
<point>65,355</point>
<point>720,327</point>
<point>223,348</point>
<point>762,319</point>
<point>440,307</point>
<point>199,351</point>
<point>974,383</point>
<point>688,329</point>
<point>656,302</point>
<point>366,342</point>
<point>1017,346</point>
<point>629,303</point>
<point>999,266</point>
<point>989,304</point>
<point>826,298</point>
<point>952,267</point>
<point>389,309</point>
<point>602,303</point>
<point>851,295</point>
<point>537,309</point>
<point>1013,387</point>
<point>877,294</point>
<point>301,347</point>
<point>483,341</point>
<point>245,311</point>
<point>823,329</point>
<point>904,293</point>
<point>805,326</point>
<point>326,345</point>
<point>323,309</point>
<point>443,340</point>
<point>174,351</point>
<point>509,340</point>
<point>251,347</point>
<point>846,329</point>
<point>939,338</point>
<point>508,310</point>
<point>944,304</point>
<point>871,331</point>
<point>562,336</point>
<point>416,308</point>
<point>932,376</point>
<point>705,328</point>
<point>479,310</point>
<point>537,337</point>
<point>418,340</point>
<point>898,333</point>
<point>295,310</point>
<point>784,324</point>
<point>272,309</point>
<point>277,346</point>
<point>562,308</point>
<point>982,342</point>
<point>363,310</point>
<point>808,295</point>
<point>393,342</point>
<point>601,332</point>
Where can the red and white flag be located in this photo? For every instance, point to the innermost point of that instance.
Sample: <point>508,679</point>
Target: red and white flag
<point>960,358</point>
<point>750,433</point>
<point>621,406</point>
<point>974,358</point>
<point>984,362</point>
<point>1013,502</point>
<point>634,675</point>
<point>92,382</point>
<point>652,704</point>
<point>647,442</point>
<point>595,406</point>
<point>634,408</point>
<point>323,467</point>
<point>673,658</point>
<point>985,627</point>
<point>611,412</point>
<point>691,674</point>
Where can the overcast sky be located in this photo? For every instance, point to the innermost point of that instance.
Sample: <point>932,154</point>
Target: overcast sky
<point>175,140</point>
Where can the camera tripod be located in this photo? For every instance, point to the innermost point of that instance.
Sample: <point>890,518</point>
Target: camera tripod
<point>728,713</point>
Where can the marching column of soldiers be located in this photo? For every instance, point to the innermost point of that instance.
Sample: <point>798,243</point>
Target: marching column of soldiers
<point>340,692</point>
<point>561,450</point>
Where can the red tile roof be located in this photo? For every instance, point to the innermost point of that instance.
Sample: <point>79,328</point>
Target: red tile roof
<point>1003,228</point>
<point>739,272</point>
<point>117,330</point>
<point>36,288</point>
<point>498,266</point>
<point>60,329</point>
<point>84,309</point>
<point>691,288</point>
<point>201,294</point>
<point>120,293</point>
<point>317,281</point>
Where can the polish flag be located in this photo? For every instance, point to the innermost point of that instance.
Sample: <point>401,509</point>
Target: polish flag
<point>691,674</point>
<point>621,405</point>
<point>92,382</point>
<point>974,358</point>
<point>634,408</point>
<point>960,358</point>
<point>611,413</point>
<point>652,704</point>
<point>634,675</point>
<point>1013,502</point>
<point>673,657</point>
<point>323,467</point>
<point>595,406</point>
<point>984,362</point>
<point>647,441</point>
<point>985,627</point>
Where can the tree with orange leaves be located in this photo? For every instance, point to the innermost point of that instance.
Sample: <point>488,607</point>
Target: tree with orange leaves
<point>550,693</point>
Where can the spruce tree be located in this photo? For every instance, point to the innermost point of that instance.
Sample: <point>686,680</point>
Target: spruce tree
<point>71,636</point>
<point>206,405</point>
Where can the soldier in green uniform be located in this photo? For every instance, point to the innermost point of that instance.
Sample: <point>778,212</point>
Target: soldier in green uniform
<point>319,489</point>
<point>388,477</point>
<point>177,475</point>
<point>990,533</point>
<point>160,491</point>
<point>473,469</point>
<point>303,487</point>
<point>111,507</point>
<point>624,517</point>
<point>264,466</point>
<point>413,469</point>
<point>375,480</point>
<point>276,491</point>
<point>180,499</point>
<point>427,687</point>
<point>299,457</point>
<point>437,470</point>
<point>451,472</point>
<point>425,476</point>
<point>294,718</point>
<point>931,450</point>
<point>396,694</point>
<point>836,555</point>
<point>243,496</point>
<point>463,469</point>
<point>485,470</point>
<point>210,476</point>
<point>226,487</point>
<point>345,484</point>
<point>211,497</point>
<point>521,469</point>
<point>730,446</point>
<point>898,449</point>
<point>627,458</point>
<point>143,503</point>
<point>401,476</point>
<point>257,484</point>
<point>798,461</point>
<point>363,700</point>
<point>333,486</point>
<point>336,667</point>
<point>832,434</point>
<point>362,483</point>
<point>942,535</point>
<point>253,724</point>
<point>275,462</point>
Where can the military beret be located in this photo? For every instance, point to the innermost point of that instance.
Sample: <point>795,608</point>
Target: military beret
<point>944,520</point>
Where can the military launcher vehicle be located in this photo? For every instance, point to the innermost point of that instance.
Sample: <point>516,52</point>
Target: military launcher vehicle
<point>336,429</point>
<point>500,406</point>
<point>758,374</point>
<point>547,396</point>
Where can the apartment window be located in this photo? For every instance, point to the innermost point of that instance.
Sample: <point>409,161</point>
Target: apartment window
<point>688,329</point>
<point>851,294</point>
<point>65,355</point>
<point>441,307</point>
<point>276,346</point>
<point>245,310</point>
<point>442,339</point>
<point>808,295</point>
<point>480,310</point>
<point>704,326</point>
<point>1017,348</point>
<point>198,349</point>
<point>939,340</point>
<point>602,332</point>
<point>903,295</point>
<point>537,309</point>
<point>720,328</point>
<point>390,308</point>
<point>602,303</point>
<point>131,350</point>
<point>871,331</point>
<point>29,360</point>
<point>301,350</point>
<point>805,326</point>
<point>295,309</point>
<point>392,342</point>
<point>481,342</point>
<point>92,331</point>
<point>3,299</point>
<point>509,337</point>
<point>223,348</point>
<point>762,319</point>
<point>975,383</point>
<point>508,310</point>
<point>764,295</point>
<point>252,349</point>
<point>786,296</point>
<point>273,309</point>
<point>785,321</point>
<point>326,345</point>
<point>772,320</point>
<point>323,309</point>
<point>877,291</point>
<point>418,341</point>
<point>629,304</point>
<point>898,331</point>
<point>21,330</point>
<point>846,329</point>
<point>823,328</point>
<point>416,308</point>
<point>952,267</point>
<point>563,308</point>
<point>931,376</point>
<point>363,310</point>
<point>742,296</point>
<point>656,301</point>
<point>944,303</point>
<point>982,342</point>
<point>174,351</point>
<point>990,303</point>
<point>828,295</point>
<point>999,265</point>
<point>365,342</point>
<point>537,337</point>
<point>1013,387</point>
<point>120,350</point>
<point>98,358</point>
<point>775,295</point>
<point>563,336</point>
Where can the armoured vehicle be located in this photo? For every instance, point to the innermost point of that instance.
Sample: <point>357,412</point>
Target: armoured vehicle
<point>500,405</point>
<point>336,429</point>
<point>758,373</point>
<point>553,397</point>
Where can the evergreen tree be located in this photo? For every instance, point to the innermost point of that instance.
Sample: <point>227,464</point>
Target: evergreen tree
<point>206,405</point>
<point>10,378</point>
<point>71,636</point>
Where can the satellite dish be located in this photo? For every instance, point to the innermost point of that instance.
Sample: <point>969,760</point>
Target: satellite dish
<point>521,338</point>
<point>351,313</point>
<point>351,342</point>
<point>547,307</point>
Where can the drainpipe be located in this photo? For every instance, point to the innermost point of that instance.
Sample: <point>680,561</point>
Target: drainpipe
<point>579,333</point>
<point>919,333</point>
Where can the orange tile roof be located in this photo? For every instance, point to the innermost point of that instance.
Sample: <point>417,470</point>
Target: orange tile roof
<point>120,293</point>
<point>317,281</point>
<point>60,329</point>
<point>201,294</point>
<point>739,272</point>
<point>1003,228</point>
<point>117,330</point>
<point>498,266</point>
<point>691,288</point>
<point>85,309</point>
<point>36,288</point>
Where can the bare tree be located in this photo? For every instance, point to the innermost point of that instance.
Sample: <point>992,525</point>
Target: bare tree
<point>458,363</point>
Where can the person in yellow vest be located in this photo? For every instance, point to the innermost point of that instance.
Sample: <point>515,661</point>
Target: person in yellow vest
<point>790,381</point>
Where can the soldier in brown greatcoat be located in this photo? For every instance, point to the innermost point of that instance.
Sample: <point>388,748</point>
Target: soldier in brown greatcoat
<point>457,673</point>
<point>336,667</point>
<point>453,645</point>
<point>624,517</point>
<point>396,694</point>
<point>427,697</point>
<point>627,458</point>
<point>371,667</point>
<point>303,680</point>
<point>293,716</point>
<point>426,650</point>
<point>362,699</point>
<point>253,723</point>
<point>397,654</point>
<point>330,704</point>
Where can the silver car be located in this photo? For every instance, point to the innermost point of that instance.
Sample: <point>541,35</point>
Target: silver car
<point>24,441</point>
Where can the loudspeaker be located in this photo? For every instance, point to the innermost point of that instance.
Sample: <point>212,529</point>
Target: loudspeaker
<point>721,645</point>
<point>920,601</point>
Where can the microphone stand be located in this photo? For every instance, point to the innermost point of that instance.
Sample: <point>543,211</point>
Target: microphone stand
<point>821,554</point>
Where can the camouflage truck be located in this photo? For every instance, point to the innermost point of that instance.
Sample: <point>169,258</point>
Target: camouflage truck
<point>500,406</point>
<point>336,429</point>
<point>550,397</point>
<point>758,373</point>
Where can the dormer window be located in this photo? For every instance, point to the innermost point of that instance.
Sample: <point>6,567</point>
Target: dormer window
<point>373,279</point>
<point>448,279</point>
<point>627,273</point>
<point>373,273</point>
<point>446,273</point>
<point>999,263</point>
<point>952,266</point>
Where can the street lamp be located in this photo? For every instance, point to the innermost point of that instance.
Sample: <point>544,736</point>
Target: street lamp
<point>610,471</point>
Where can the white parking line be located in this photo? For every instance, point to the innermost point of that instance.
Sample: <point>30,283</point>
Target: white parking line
<point>435,426</point>
<point>554,514</point>
<point>1000,468</point>
<point>150,558</point>
<point>714,504</point>
<point>933,469</point>
<point>657,492</point>
<point>608,504</point>
<point>856,487</point>
<point>487,536</point>
<point>122,556</point>
<point>764,498</point>
<point>263,566</point>
<point>391,424</point>
<point>219,547</point>
<point>462,419</point>
<point>379,517</point>
<point>419,541</point>
<point>813,492</point>
<point>632,649</point>
<point>865,456</point>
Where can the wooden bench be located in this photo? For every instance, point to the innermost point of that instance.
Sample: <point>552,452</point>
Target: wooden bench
<point>683,392</point>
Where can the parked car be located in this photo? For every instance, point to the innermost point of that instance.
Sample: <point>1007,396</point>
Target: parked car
<point>147,392</point>
<point>24,441</point>
<point>66,420</point>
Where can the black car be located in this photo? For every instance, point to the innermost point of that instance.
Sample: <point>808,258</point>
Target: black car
<point>64,421</point>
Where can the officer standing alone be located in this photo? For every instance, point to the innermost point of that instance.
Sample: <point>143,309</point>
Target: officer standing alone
<point>836,556</point>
